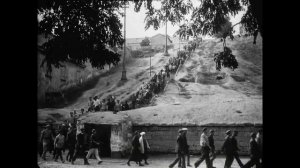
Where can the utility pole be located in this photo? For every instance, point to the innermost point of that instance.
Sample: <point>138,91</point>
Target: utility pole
<point>166,49</point>
<point>124,70</point>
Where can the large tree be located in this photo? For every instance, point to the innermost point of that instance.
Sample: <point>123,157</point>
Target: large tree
<point>80,30</point>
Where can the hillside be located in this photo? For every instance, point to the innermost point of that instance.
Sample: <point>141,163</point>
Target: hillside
<point>195,96</point>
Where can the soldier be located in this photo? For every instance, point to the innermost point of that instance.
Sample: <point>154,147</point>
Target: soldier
<point>93,147</point>
<point>211,143</point>
<point>187,148</point>
<point>235,149</point>
<point>46,139</point>
<point>181,148</point>
<point>227,149</point>
<point>204,149</point>
<point>144,146</point>
<point>79,147</point>
<point>254,153</point>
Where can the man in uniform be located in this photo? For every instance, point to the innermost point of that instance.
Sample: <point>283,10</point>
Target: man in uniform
<point>46,139</point>
<point>211,143</point>
<point>235,149</point>
<point>181,148</point>
<point>254,153</point>
<point>204,149</point>
<point>227,149</point>
<point>79,147</point>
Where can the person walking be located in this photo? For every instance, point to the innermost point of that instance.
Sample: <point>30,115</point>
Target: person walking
<point>259,141</point>
<point>46,139</point>
<point>227,149</point>
<point>71,141</point>
<point>135,151</point>
<point>93,147</point>
<point>235,149</point>
<point>79,147</point>
<point>180,150</point>
<point>204,149</point>
<point>254,153</point>
<point>59,144</point>
<point>211,143</point>
<point>144,147</point>
<point>187,153</point>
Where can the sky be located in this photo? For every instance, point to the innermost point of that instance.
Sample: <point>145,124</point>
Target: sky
<point>135,25</point>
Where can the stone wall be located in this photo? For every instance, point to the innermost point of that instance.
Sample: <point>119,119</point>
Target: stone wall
<point>120,141</point>
<point>162,139</point>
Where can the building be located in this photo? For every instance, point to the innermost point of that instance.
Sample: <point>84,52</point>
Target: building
<point>161,126</point>
<point>157,41</point>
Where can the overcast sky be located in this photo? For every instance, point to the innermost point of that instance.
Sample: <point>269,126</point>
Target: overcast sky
<point>135,25</point>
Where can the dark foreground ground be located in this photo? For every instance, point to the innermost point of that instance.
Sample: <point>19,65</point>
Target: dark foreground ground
<point>155,161</point>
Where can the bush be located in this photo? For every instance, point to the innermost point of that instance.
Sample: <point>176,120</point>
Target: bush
<point>137,53</point>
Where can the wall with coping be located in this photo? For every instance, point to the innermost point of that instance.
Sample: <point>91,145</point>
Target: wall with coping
<point>162,139</point>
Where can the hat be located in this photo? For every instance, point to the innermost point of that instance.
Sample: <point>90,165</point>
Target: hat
<point>142,133</point>
<point>253,135</point>
<point>93,130</point>
<point>204,129</point>
<point>228,132</point>
<point>180,130</point>
<point>184,129</point>
<point>47,126</point>
<point>211,130</point>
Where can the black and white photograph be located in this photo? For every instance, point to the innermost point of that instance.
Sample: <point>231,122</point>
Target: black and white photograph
<point>149,83</point>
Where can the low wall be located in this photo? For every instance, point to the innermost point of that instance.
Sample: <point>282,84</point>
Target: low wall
<point>162,139</point>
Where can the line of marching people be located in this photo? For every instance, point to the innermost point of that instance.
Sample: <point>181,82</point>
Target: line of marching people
<point>229,148</point>
<point>74,140</point>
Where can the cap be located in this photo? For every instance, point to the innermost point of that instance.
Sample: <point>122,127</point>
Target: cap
<point>253,135</point>
<point>228,132</point>
<point>204,129</point>
<point>93,130</point>
<point>184,129</point>
<point>142,133</point>
<point>47,125</point>
<point>180,130</point>
<point>211,130</point>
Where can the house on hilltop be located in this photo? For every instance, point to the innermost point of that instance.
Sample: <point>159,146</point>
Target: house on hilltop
<point>157,41</point>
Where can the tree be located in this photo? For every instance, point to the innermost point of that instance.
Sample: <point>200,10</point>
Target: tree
<point>80,31</point>
<point>211,15</point>
<point>145,42</point>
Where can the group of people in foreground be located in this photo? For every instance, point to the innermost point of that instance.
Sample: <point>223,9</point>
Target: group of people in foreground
<point>229,148</point>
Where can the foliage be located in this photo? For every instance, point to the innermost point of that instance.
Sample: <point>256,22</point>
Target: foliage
<point>225,59</point>
<point>211,15</point>
<point>80,31</point>
<point>137,53</point>
<point>145,42</point>
<point>225,31</point>
<point>170,10</point>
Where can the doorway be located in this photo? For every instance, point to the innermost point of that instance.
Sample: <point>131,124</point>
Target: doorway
<point>103,135</point>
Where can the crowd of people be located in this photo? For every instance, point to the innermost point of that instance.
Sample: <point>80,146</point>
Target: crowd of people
<point>144,94</point>
<point>157,83</point>
<point>229,148</point>
<point>56,141</point>
<point>81,144</point>
<point>108,104</point>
